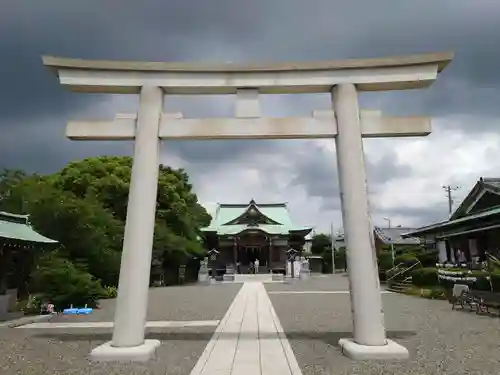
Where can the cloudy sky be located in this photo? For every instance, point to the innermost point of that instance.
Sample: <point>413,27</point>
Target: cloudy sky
<point>405,176</point>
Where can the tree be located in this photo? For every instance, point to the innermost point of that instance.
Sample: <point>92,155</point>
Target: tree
<point>88,234</point>
<point>179,216</point>
<point>107,179</point>
<point>340,259</point>
<point>320,243</point>
<point>8,180</point>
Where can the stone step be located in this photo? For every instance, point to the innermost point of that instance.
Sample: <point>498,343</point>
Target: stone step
<point>399,287</point>
<point>260,277</point>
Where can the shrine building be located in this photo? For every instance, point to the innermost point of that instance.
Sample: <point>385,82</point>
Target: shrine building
<point>19,243</point>
<point>242,233</point>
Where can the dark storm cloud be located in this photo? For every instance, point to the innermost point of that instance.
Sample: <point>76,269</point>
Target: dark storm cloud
<point>316,169</point>
<point>233,30</point>
<point>422,216</point>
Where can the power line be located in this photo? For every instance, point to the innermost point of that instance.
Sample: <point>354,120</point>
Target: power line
<point>448,189</point>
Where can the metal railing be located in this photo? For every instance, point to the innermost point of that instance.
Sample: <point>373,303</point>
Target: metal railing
<point>407,278</point>
<point>393,268</point>
<point>405,270</point>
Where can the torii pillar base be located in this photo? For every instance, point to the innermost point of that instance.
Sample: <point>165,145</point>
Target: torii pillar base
<point>141,353</point>
<point>390,351</point>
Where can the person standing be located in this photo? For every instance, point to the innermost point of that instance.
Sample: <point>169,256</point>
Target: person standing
<point>250,267</point>
<point>256,265</point>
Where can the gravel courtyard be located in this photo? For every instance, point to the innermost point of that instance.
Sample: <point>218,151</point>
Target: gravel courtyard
<point>440,340</point>
<point>65,351</point>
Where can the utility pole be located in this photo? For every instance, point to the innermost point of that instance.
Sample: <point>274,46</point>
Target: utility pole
<point>448,189</point>
<point>332,245</point>
<point>393,256</point>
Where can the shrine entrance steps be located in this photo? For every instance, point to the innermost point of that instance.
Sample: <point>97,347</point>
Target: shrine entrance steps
<point>260,278</point>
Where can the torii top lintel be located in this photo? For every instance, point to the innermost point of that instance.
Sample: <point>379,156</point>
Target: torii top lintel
<point>373,74</point>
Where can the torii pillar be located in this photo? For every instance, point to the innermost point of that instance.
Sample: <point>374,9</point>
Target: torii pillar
<point>345,122</point>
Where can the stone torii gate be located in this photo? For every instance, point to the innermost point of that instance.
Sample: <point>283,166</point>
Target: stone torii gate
<point>346,123</point>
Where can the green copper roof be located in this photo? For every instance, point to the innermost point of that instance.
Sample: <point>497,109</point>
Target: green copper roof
<point>450,223</point>
<point>227,213</point>
<point>17,227</point>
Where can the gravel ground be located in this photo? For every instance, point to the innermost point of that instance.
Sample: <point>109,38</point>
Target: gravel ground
<point>65,351</point>
<point>192,302</point>
<point>440,341</point>
<point>314,283</point>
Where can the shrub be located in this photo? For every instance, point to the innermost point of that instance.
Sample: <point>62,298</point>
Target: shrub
<point>434,292</point>
<point>29,306</point>
<point>482,282</point>
<point>407,259</point>
<point>413,291</point>
<point>396,273</point>
<point>425,277</point>
<point>495,281</point>
<point>428,258</point>
<point>384,260</point>
<point>340,258</point>
<point>109,292</point>
<point>58,280</point>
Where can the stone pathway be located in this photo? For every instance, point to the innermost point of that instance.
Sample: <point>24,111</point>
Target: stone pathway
<point>249,339</point>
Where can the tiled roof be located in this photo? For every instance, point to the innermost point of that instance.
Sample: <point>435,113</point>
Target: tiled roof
<point>484,183</point>
<point>462,214</point>
<point>393,236</point>
<point>493,183</point>
<point>462,220</point>
<point>277,212</point>
<point>17,227</point>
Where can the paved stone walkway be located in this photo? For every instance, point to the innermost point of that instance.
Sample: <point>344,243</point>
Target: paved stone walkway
<point>249,339</point>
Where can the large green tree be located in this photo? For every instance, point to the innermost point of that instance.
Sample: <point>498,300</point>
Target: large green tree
<point>106,179</point>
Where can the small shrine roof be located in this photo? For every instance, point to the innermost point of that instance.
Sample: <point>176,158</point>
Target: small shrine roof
<point>17,227</point>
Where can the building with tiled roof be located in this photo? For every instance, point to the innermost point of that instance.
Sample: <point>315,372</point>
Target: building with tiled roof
<point>474,227</point>
<point>242,233</point>
<point>17,242</point>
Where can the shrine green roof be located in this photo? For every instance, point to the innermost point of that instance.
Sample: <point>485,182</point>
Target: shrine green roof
<point>17,227</point>
<point>278,213</point>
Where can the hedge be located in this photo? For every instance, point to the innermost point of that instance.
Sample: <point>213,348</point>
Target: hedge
<point>385,260</point>
<point>407,259</point>
<point>481,283</point>
<point>428,258</point>
<point>495,280</point>
<point>425,277</point>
